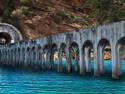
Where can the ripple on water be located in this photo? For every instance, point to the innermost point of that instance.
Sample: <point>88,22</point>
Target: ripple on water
<point>20,80</point>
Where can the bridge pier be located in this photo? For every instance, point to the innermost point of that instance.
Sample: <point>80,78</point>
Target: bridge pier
<point>82,63</point>
<point>48,60</point>
<point>36,57</point>
<point>60,60</point>
<point>43,59</point>
<point>96,63</point>
<point>68,59</point>
<point>87,59</point>
<point>16,58</point>
<point>119,59</point>
<point>52,61</point>
<point>32,58</point>
<point>23,57</point>
<point>76,61</point>
<point>114,63</point>
<point>27,53</point>
<point>13,58</point>
<point>8,62</point>
<point>101,59</point>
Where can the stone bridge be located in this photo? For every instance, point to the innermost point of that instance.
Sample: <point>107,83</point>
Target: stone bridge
<point>40,52</point>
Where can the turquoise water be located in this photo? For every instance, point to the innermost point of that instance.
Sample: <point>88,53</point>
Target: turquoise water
<point>15,80</point>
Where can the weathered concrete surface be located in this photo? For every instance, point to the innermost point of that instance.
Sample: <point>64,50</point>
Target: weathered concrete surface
<point>94,37</point>
<point>9,34</point>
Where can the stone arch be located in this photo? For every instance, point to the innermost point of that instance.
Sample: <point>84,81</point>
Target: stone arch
<point>46,51</point>
<point>88,53</point>
<point>75,55</point>
<point>9,33</point>
<point>120,46</point>
<point>103,48</point>
<point>54,57</point>
<point>62,58</point>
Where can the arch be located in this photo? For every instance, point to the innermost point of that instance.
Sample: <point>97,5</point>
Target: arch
<point>103,49</point>
<point>121,41</point>
<point>88,43</point>
<point>54,57</point>
<point>62,58</point>
<point>75,56</point>
<point>10,33</point>
<point>103,41</point>
<point>88,54</point>
<point>120,47</point>
<point>13,28</point>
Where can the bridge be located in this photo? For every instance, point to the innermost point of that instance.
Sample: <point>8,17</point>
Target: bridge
<point>39,52</point>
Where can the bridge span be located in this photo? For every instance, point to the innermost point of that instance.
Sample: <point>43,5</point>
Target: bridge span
<point>30,52</point>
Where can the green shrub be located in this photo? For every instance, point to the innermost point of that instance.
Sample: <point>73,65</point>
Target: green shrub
<point>106,11</point>
<point>20,12</point>
<point>24,1</point>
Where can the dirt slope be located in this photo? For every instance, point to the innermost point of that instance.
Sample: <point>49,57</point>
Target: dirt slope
<point>46,17</point>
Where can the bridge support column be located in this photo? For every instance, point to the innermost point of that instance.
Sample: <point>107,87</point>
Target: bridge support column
<point>119,60</point>
<point>48,60</point>
<point>96,63</point>
<point>101,59</point>
<point>20,56</point>
<point>9,56</point>
<point>36,58</point>
<point>16,59</point>
<point>4,58</point>
<point>43,59</point>
<point>114,63</point>
<point>82,63</point>
<point>60,61</point>
<point>26,58</point>
<point>30,57</point>
<point>68,59</point>
<point>76,61</point>
<point>13,57</point>
<point>87,59</point>
<point>52,60</point>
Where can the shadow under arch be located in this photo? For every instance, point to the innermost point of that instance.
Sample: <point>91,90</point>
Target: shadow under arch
<point>104,56</point>
<point>5,38</point>
<point>88,54</point>
<point>75,56</point>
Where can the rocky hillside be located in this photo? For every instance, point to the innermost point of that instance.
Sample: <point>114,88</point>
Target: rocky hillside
<point>36,18</point>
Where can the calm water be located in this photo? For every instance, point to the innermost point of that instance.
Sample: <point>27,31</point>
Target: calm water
<point>15,80</point>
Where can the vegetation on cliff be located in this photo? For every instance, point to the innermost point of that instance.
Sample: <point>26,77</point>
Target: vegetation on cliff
<point>63,15</point>
<point>37,18</point>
